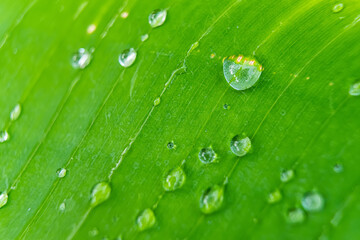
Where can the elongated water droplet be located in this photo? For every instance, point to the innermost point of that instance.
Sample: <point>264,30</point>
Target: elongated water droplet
<point>61,172</point>
<point>157,101</point>
<point>175,179</point>
<point>241,72</point>
<point>212,198</point>
<point>127,57</point>
<point>312,202</point>
<point>62,207</point>
<point>81,59</point>
<point>3,199</point>
<point>146,219</point>
<point>15,113</point>
<point>275,196</point>
<point>4,136</point>
<point>144,37</point>
<point>157,17</point>
<point>295,215</point>
<point>207,155</point>
<point>100,193</point>
<point>338,7</point>
<point>240,145</point>
<point>287,175</point>
<point>355,89</point>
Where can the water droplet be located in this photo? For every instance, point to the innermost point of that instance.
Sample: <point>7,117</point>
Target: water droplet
<point>144,37</point>
<point>93,232</point>
<point>226,106</point>
<point>175,179</point>
<point>295,215</point>
<point>355,89</point>
<point>274,196</point>
<point>15,113</point>
<point>146,219</point>
<point>91,28</point>
<point>171,145</point>
<point>338,168</point>
<point>157,17</point>
<point>240,146</point>
<point>100,193</point>
<point>62,206</point>
<point>212,198</point>
<point>3,199</point>
<point>124,15</point>
<point>287,175</point>
<point>338,7</point>
<point>207,155</point>
<point>312,202</point>
<point>241,72</point>
<point>4,136</point>
<point>157,101</point>
<point>61,172</point>
<point>127,57</point>
<point>81,59</point>
<point>212,55</point>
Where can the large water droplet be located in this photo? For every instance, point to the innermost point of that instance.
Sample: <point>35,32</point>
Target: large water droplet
<point>295,215</point>
<point>3,199</point>
<point>61,172</point>
<point>287,175</point>
<point>355,89</point>
<point>207,155</point>
<point>175,179</point>
<point>100,193</point>
<point>241,72</point>
<point>157,17</point>
<point>338,7</point>
<point>240,145</point>
<point>81,59</point>
<point>146,219</point>
<point>212,198</point>
<point>4,136</point>
<point>274,196</point>
<point>127,57</point>
<point>15,113</point>
<point>312,202</point>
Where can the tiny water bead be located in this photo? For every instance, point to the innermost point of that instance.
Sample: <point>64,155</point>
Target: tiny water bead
<point>146,219</point>
<point>62,207</point>
<point>295,215</point>
<point>287,175</point>
<point>15,113</point>
<point>338,168</point>
<point>240,145</point>
<point>61,172</point>
<point>4,136</point>
<point>157,101</point>
<point>127,57</point>
<point>212,198</point>
<point>241,72</point>
<point>100,193</point>
<point>171,145</point>
<point>338,7</point>
<point>355,89</point>
<point>274,196</point>
<point>312,202</point>
<point>93,232</point>
<point>81,59</point>
<point>3,199</point>
<point>144,37</point>
<point>226,106</point>
<point>157,17</point>
<point>207,155</point>
<point>174,179</point>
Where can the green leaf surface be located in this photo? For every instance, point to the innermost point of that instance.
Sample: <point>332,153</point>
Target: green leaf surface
<point>100,123</point>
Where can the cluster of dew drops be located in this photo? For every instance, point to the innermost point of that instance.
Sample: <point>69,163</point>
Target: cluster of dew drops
<point>241,73</point>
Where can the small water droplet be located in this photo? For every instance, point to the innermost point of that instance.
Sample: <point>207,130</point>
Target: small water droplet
<point>355,89</point>
<point>146,219</point>
<point>15,113</point>
<point>157,17</point>
<point>91,28</point>
<point>157,101</point>
<point>3,199</point>
<point>171,145</point>
<point>287,175</point>
<point>127,57</point>
<point>274,196</point>
<point>100,193</point>
<point>207,155</point>
<point>338,168</point>
<point>144,37</point>
<point>4,136</point>
<point>174,179</point>
<point>61,172</point>
<point>241,72</point>
<point>226,106</point>
<point>62,206</point>
<point>212,198</point>
<point>312,202</point>
<point>240,145</point>
<point>295,215</point>
<point>124,15</point>
<point>212,55</point>
<point>81,59</point>
<point>338,7</point>
<point>93,232</point>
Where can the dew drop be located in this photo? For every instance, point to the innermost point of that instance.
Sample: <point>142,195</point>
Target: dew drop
<point>355,89</point>
<point>124,15</point>
<point>15,113</point>
<point>3,199</point>
<point>240,146</point>
<point>4,136</point>
<point>171,145</point>
<point>146,219</point>
<point>274,196</point>
<point>338,168</point>
<point>207,155</point>
<point>144,37</point>
<point>174,179</point>
<point>287,175</point>
<point>157,101</point>
<point>338,7</point>
<point>212,198</point>
<point>127,57</point>
<point>295,215</point>
<point>157,17</point>
<point>312,202</point>
<point>61,172</point>
<point>226,106</point>
<point>241,72</point>
<point>93,232</point>
<point>62,207</point>
<point>91,29</point>
<point>81,59</point>
<point>100,193</point>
